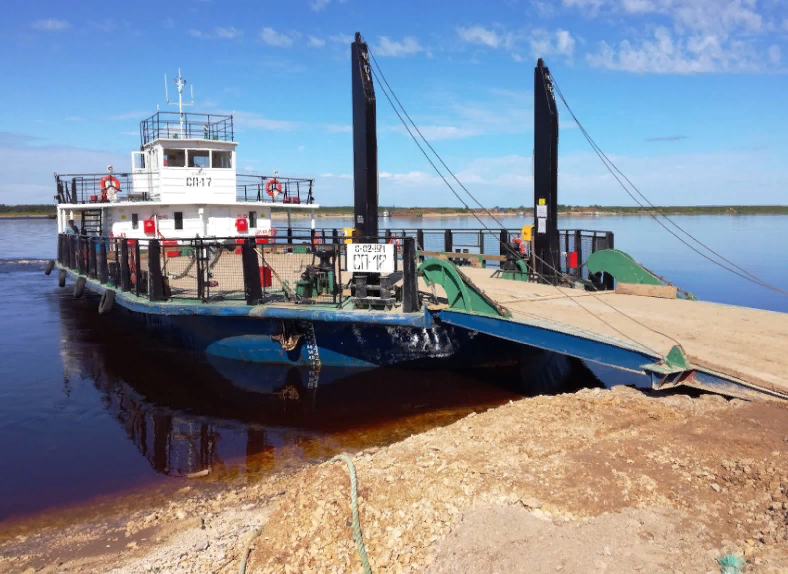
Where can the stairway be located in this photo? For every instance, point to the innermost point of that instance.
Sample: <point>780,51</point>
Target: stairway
<point>91,222</point>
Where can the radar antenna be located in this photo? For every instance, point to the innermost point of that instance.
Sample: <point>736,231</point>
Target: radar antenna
<point>181,83</point>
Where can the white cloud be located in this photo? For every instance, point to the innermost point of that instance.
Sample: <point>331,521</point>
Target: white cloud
<point>342,38</point>
<point>130,133</point>
<point>407,47</point>
<point>479,35</point>
<point>169,23</point>
<point>774,54</point>
<point>338,128</point>
<point>129,116</point>
<point>318,5</point>
<point>544,43</point>
<point>665,55</point>
<point>314,42</point>
<point>195,33</point>
<point>74,119</point>
<point>254,120</point>
<point>51,25</point>
<point>435,133</point>
<point>565,44</point>
<point>228,33</point>
<point>300,148</point>
<point>274,38</point>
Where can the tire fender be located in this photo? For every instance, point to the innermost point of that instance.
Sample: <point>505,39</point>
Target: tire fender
<point>107,302</point>
<point>61,278</point>
<point>79,287</point>
<point>50,266</point>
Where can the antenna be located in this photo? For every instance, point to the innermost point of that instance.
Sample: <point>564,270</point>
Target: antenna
<point>180,83</point>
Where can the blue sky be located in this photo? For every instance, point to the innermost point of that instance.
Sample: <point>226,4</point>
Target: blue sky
<point>687,96</point>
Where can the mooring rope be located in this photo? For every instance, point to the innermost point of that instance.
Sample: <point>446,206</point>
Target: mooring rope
<point>357,536</point>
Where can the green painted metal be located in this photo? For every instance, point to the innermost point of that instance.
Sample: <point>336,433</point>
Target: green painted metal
<point>462,294</point>
<point>520,275</point>
<point>677,358</point>
<point>621,266</point>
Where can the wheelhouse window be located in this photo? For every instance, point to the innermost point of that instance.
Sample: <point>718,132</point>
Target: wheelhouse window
<point>222,159</point>
<point>135,221</point>
<point>178,220</point>
<point>252,219</point>
<point>174,158</point>
<point>199,158</point>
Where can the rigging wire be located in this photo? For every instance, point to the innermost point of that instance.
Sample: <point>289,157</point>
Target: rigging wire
<point>508,247</point>
<point>744,274</point>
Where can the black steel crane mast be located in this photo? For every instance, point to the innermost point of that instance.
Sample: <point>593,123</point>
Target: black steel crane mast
<point>365,142</point>
<point>546,245</point>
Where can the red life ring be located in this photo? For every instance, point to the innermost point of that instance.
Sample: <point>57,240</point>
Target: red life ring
<point>520,243</point>
<point>397,242</point>
<point>273,187</point>
<point>318,239</point>
<point>109,182</point>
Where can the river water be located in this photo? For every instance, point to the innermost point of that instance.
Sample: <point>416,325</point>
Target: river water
<point>90,407</point>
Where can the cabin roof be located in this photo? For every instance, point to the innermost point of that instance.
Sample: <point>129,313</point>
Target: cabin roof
<point>191,126</point>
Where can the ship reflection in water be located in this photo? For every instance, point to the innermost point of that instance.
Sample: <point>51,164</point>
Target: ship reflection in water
<point>188,412</point>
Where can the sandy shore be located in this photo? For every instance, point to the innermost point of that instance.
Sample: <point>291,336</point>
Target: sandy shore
<point>598,481</point>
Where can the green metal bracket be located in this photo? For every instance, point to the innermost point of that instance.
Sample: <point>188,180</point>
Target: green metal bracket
<point>462,294</point>
<point>621,266</point>
<point>676,361</point>
<point>520,275</point>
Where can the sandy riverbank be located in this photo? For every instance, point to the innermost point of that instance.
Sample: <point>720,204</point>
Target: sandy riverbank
<point>598,481</point>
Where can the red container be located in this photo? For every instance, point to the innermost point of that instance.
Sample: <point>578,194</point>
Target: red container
<point>239,250</point>
<point>261,239</point>
<point>149,226</point>
<point>571,260</point>
<point>176,253</point>
<point>93,198</point>
<point>265,276</point>
<point>241,225</point>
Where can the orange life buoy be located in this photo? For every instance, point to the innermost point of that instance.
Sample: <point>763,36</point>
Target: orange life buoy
<point>273,188</point>
<point>109,184</point>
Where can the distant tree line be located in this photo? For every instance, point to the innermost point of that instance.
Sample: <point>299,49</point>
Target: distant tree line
<point>28,209</point>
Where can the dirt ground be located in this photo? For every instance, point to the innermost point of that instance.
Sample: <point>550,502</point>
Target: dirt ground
<point>597,481</point>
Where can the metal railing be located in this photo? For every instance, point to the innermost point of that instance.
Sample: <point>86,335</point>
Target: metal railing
<point>168,125</point>
<point>285,190</point>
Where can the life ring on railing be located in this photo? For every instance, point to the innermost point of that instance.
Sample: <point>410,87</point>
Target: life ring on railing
<point>318,240</point>
<point>397,242</point>
<point>110,187</point>
<point>519,244</point>
<point>273,188</point>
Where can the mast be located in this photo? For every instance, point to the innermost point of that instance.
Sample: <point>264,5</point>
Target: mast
<point>365,142</point>
<point>546,242</point>
<point>180,83</point>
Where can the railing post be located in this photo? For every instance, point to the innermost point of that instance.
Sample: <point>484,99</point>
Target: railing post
<point>198,254</point>
<point>103,267</point>
<point>579,251</point>
<point>81,254</point>
<point>410,293</point>
<point>251,269</point>
<point>481,241</point>
<point>420,239</point>
<point>125,277</point>
<point>290,237</point>
<point>92,267</point>
<point>388,235</point>
<point>504,241</point>
<point>335,235</point>
<point>137,268</point>
<point>155,283</point>
<point>610,282</point>
<point>447,241</point>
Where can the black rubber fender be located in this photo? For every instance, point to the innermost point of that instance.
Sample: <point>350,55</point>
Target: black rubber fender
<point>107,302</point>
<point>50,266</point>
<point>61,278</point>
<point>79,287</point>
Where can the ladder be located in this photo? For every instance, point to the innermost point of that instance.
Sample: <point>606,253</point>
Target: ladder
<point>91,222</point>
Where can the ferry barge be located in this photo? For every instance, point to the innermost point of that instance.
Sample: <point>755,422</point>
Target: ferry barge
<point>188,246</point>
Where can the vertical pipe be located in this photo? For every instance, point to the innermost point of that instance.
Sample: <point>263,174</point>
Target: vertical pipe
<point>410,294</point>
<point>420,239</point>
<point>125,278</point>
<point>504,242</point>
<point>155,282</point>
<point>251,269</point>
<point>103,267</point>
<point>335,235</point>
<point>481,241</point>
<point>92,267</point>
<point>610,282</point>
<point>579,251</point>
<point>137,268</point>
<point>447,241</point>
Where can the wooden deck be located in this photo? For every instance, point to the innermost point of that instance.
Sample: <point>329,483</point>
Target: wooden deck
<point>748,344</point>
